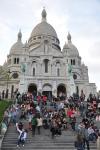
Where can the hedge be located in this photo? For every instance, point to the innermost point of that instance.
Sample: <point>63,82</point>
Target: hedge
<point>3,106</point>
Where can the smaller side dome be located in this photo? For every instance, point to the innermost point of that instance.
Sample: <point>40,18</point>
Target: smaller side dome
<point>65,46</point>
<point>69,48</point>
<point>17,48</point>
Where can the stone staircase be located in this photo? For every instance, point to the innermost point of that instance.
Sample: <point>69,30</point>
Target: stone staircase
<point>40,142</point>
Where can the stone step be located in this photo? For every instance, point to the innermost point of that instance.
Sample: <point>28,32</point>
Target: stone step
<point>46,145</point>
<point>23,148</point>
<point>31,148</point>
<point>41,142</point>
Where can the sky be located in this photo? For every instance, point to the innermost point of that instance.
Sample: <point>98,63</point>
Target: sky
<point>79,17</point>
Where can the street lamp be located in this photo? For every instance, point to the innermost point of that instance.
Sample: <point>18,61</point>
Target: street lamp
<point>7,77</point>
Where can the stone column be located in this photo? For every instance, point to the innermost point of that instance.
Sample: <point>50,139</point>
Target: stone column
<point>39,86</point>
<point>54,89</point>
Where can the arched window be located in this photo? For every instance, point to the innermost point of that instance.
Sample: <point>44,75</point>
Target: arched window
<point>33,71</point>
<point>46,65</point>
<point>14,60</point>
<point>17,60</point>
<point>77,90</point>
<point>73,61</point>
<point>58,72</point>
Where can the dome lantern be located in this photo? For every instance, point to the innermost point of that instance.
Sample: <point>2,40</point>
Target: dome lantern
<point>69,37</point>
<point>44,14</point>
<point>19,35</point>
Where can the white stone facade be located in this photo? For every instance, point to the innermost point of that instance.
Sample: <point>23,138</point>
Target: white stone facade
<point>40,62</point>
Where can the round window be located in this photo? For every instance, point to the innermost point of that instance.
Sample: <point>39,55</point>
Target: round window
<point>74,76</point>
<point>15,75</point>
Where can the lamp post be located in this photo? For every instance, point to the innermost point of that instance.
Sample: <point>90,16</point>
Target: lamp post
<point>7,76</point>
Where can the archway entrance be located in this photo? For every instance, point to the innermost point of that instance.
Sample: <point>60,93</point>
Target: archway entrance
<point>32,88</point>
<point>61,92</point>
<point>47,91</point>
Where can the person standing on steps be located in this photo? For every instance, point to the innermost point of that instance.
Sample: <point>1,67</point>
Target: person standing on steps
<point>22,136</point>
<point>53,128</point>
<point>34,124</point>
<point>20,125</point>
<point>79,142</point>
<point>86,139</point>
<point>39,124</point>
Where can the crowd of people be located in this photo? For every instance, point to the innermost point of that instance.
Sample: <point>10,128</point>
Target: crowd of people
<point>73,113</point>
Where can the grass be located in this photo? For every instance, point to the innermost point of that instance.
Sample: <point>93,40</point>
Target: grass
<point>3,106</point>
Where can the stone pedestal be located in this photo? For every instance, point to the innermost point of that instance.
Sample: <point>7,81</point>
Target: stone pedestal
<point>54,89</point>
<point>72,87</point>
<point>54,93</point>
<point>22,84</point>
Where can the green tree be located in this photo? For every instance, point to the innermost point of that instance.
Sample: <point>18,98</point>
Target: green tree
<point>5,76</point>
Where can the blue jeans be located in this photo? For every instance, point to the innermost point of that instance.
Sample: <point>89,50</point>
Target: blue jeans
<point>20,141</point>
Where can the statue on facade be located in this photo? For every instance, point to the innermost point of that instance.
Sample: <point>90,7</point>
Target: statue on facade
<point>22,83</point>
<point>70,69</point>
<point>72,88</point>
<point>23,67</point>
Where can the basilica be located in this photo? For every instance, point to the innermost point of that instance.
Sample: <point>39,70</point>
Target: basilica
<point>41,66</point>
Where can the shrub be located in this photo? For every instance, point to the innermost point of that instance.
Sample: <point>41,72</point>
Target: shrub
<point>3,106</point>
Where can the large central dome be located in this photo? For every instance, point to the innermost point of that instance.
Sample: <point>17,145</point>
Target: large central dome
<point>43,32</point>
<point>43,28</point>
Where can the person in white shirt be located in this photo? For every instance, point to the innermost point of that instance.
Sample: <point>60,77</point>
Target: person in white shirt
<point>92,134</point>
<point>39,124</point>
<point>90,130</point>
<point>38,108</point>
<point>22,136</point>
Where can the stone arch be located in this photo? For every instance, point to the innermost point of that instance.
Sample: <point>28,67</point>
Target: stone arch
<point>46,64</point>
<point>57,61</point>
<point>47,90</point>
<point>34,61</point>
<point>61,91</point>
<point>47,87</point>
<point>32,88</point>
